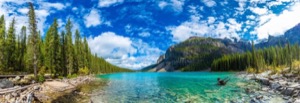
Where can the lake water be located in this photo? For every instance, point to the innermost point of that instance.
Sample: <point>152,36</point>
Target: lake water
<point>173,87</point>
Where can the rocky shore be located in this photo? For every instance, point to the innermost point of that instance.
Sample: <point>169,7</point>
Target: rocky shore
<point>10,92</point>
<point>285,85</point>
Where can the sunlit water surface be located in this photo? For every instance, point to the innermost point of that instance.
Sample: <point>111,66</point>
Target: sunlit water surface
<point>198,87</point>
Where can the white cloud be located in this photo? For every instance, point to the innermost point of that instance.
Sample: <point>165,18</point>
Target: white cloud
<point>211,20</point>
<point>108,3</point>
<point>278,24</point>
<point>123,51</point>
<point>204,29</point>
<point>57,6</point>
<point>23,10</point>
<point>176,5</point>
<point>162,4</point>
<point>93,18</point>
<point>209,3</point>
<point>109,43</point>
<point>252,17</point>
<point>259,11</point>
<point>74,9</point>
<point>144,34</point>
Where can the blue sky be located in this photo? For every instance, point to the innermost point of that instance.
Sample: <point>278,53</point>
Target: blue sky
<point>134,33</point>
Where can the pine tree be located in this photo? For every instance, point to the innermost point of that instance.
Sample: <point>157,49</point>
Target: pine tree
<point>254,58</point>
<point>34,37</point>
<point>11,46</point>
<point>63,54</point>
<point>69,48</point>
<point>56,48</point>
<point>22,48</point>
<point>78,51</point>
<point>52,49</point>
<point>87,54</point>
<point>2,43</point>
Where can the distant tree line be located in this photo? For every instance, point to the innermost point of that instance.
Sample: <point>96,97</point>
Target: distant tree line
<point>259,59</point>
<point>55,53</point>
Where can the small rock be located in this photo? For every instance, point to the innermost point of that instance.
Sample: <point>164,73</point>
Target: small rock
<point>14,94</point>
<point>33,81</point>
<point>253,100</point>
<point>7,97</point>
<point>265,89</point>
<point>36,87</point>
<point>17,78</point>
<point>286,98</point>
<point>259,97</point>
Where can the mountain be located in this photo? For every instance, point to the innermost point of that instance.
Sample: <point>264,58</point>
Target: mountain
<point>196,53</point>
<point>292,36</point>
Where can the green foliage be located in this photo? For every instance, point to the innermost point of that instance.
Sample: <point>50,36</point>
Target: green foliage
<point>259,60</point>
<point>41,78</point>
<point>2,43</point>
<point>83,71</point>
<point>72,76</point>
<point>10,49</point>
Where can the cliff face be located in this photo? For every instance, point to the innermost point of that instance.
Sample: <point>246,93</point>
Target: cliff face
<point>197,54</point>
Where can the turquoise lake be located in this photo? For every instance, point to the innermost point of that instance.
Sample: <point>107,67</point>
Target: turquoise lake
<point>200,87</point>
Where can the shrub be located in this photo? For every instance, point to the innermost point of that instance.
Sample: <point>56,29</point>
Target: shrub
<point>72,76</point>
<point>83,71</point>
<point>41,78</point>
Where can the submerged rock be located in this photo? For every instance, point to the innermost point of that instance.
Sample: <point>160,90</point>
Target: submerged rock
<point>288,91</point>
<point>5,83</point>
<point>275,85</point>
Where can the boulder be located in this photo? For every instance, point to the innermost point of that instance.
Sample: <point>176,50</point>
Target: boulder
<point>288,91</point>
<point>275,85</point>
<point>5,83</point>
<point>264,81</point>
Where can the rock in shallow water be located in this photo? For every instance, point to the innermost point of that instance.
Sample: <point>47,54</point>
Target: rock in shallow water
<point>275,85</point>
<point>5,83</point>
<point>288,91</point>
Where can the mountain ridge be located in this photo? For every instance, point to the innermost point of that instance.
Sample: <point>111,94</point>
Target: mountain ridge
<point>197,53</point>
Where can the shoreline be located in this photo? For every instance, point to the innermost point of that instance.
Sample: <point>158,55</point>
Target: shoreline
<point>273,87</point>
<point>47,91</point>
<point>285,86</point>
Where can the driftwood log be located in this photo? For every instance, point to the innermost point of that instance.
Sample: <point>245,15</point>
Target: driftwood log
<point>13,89</point>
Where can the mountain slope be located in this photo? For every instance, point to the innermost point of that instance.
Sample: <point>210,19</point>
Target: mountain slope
<point>196,54</point>
<point>292,36</point>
